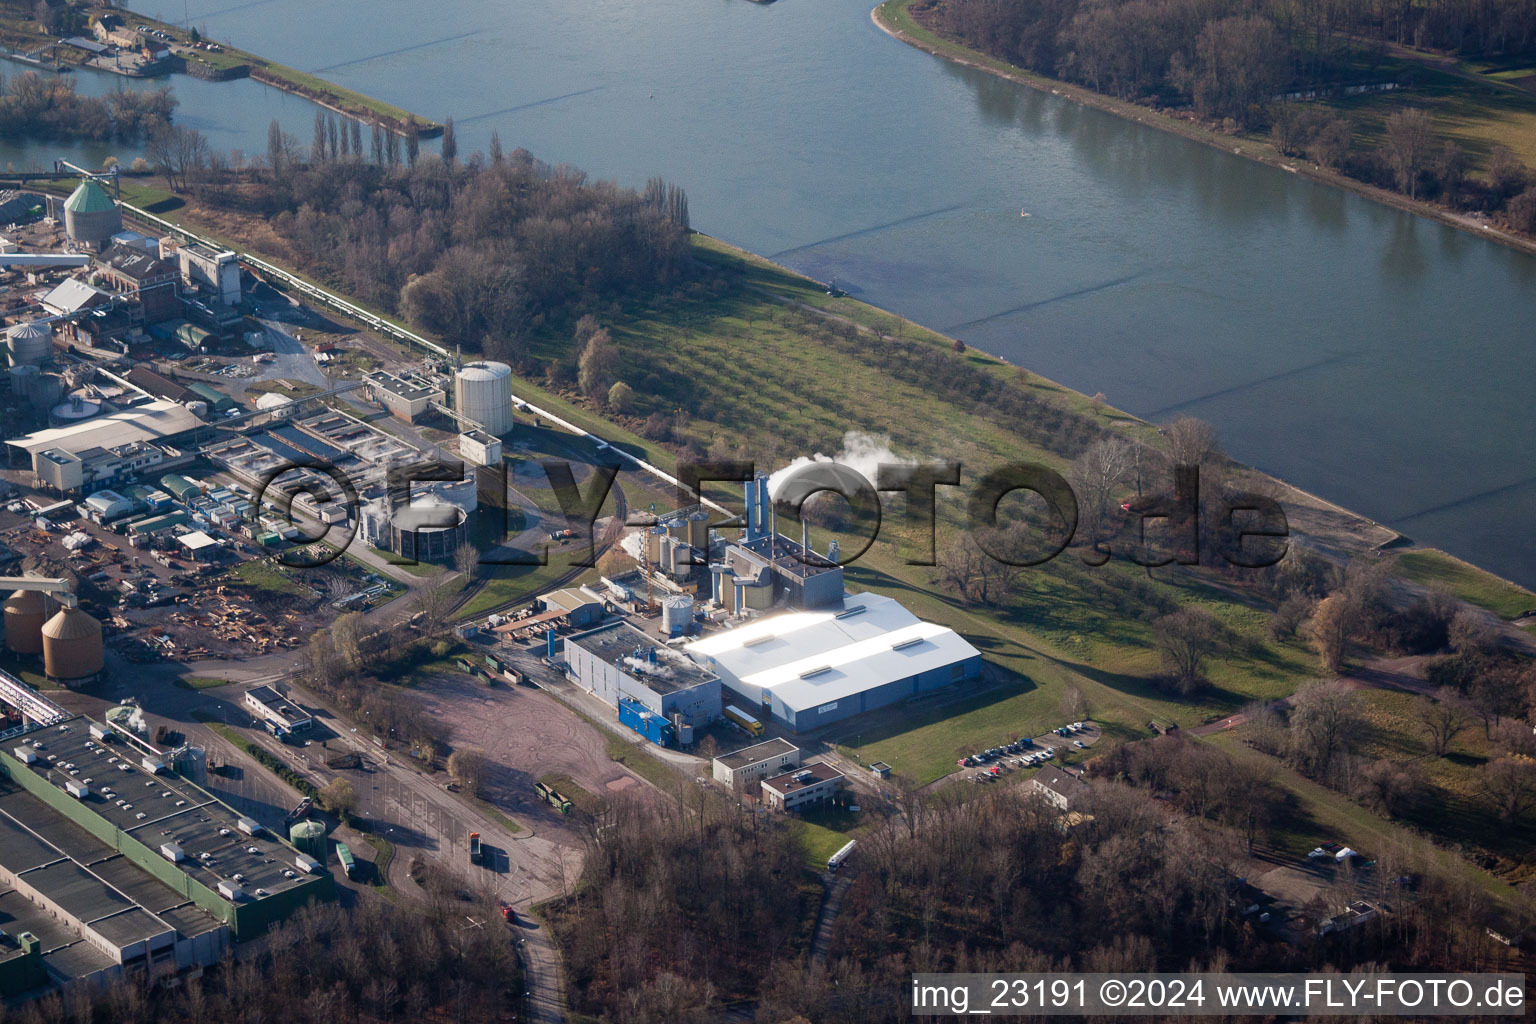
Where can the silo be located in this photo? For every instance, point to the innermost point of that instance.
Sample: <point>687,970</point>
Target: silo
<point>24,379</point>
<point>698,531</point>
<point>309,837</point>
<point>25,613</point>
<point>91,217</point>
<point>47,389</point>
<point>677,615</point>
<point>72,646</point>
<point>29,344</point>
<point>482,391</point>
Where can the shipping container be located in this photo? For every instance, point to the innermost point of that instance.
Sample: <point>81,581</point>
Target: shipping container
<point>348,863</point>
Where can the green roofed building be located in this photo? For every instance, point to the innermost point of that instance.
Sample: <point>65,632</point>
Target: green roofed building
<point>117,867</point>
<point>91,218</point>
<point>179,486</point>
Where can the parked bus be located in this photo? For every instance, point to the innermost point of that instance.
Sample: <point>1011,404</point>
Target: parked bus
<point>744,720</point>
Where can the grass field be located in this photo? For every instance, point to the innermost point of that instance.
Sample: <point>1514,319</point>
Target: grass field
<point>1468,582</point>
<point>822,831</point>
<point>201,682</point>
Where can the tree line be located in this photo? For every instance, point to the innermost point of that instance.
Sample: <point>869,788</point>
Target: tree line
<point>378,961</point>
<point>481,252</point>
<point>38,106</point>
<point>1248,66</point>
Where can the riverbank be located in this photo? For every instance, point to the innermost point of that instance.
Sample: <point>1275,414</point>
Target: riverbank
<point>894,18</point>
<point>227,62</point>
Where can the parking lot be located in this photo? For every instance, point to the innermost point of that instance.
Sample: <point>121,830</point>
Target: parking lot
<point>996,762</point>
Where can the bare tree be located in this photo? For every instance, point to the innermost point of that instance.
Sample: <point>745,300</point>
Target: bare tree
<point>1190,441</point>
<point>1186,638</point>
<point>1409,142</point>
<point>1096,475</point>
<point>466,766</point>
<point>1510,783</point>
<point>1324,723</point>
<point>1442,718</point>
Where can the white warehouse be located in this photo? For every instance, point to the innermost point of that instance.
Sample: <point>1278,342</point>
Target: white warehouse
<point>807,669</point>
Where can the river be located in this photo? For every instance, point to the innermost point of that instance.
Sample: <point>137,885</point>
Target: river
<point>1376,358</point>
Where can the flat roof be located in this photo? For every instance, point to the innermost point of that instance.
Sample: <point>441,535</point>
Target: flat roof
<point>410,390</point>
<point>63,949</point>
<point>479,436</point>
<point>812,772</point>
<point>95,885</point>
<point>276,701</point>
<point>159,809</point>
<point>149,422</point>
<point>817,657</point>
<point>616,644</point>
<point>758,753</point>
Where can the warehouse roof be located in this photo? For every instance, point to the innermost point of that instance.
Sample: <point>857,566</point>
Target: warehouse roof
<point>160,808</point>
<point>73,295</point>
<point>617,644</point>
<point>149,422</point>
<point>812,658</point>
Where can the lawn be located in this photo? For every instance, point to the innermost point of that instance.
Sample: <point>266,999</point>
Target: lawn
<point>1437,569</point>
<point>822,831</point>
<point>268,576</point>
<point>201,682</point>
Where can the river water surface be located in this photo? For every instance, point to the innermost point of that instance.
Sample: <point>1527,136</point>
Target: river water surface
<point>1381,360</point>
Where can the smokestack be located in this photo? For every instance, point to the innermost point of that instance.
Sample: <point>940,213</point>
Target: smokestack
<point>750,494</point>
<point>805,537</point>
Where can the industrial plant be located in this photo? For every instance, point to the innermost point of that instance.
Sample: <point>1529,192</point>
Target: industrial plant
<point>742,631</point>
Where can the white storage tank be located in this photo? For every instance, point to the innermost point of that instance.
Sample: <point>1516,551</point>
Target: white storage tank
<point>677,615</point>
<point>482,391</point>
<point>29,344</point>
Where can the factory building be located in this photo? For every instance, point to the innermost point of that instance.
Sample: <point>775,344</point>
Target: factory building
<point>271,706</point>
<point>759,761</point>
<point>101,438</point>
<point>214,273</point>
<point>807,669</point>
<point>619,661</point>
<point>111,867</point>
<point>482,392</point>
<point>405,397</point>
<point>480,448</point>
<point>132,269</point>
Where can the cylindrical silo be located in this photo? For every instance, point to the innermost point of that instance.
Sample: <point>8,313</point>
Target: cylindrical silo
<point>698,531</point>
<point>677,614</point>
<point>25,613</point>
<point>482,391</point>
<point>23,382</point>
<point>47,389</point>
<point>29,344</point>
<point>308,837</point>
<point>90,216</point>
<point>72,646</point>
